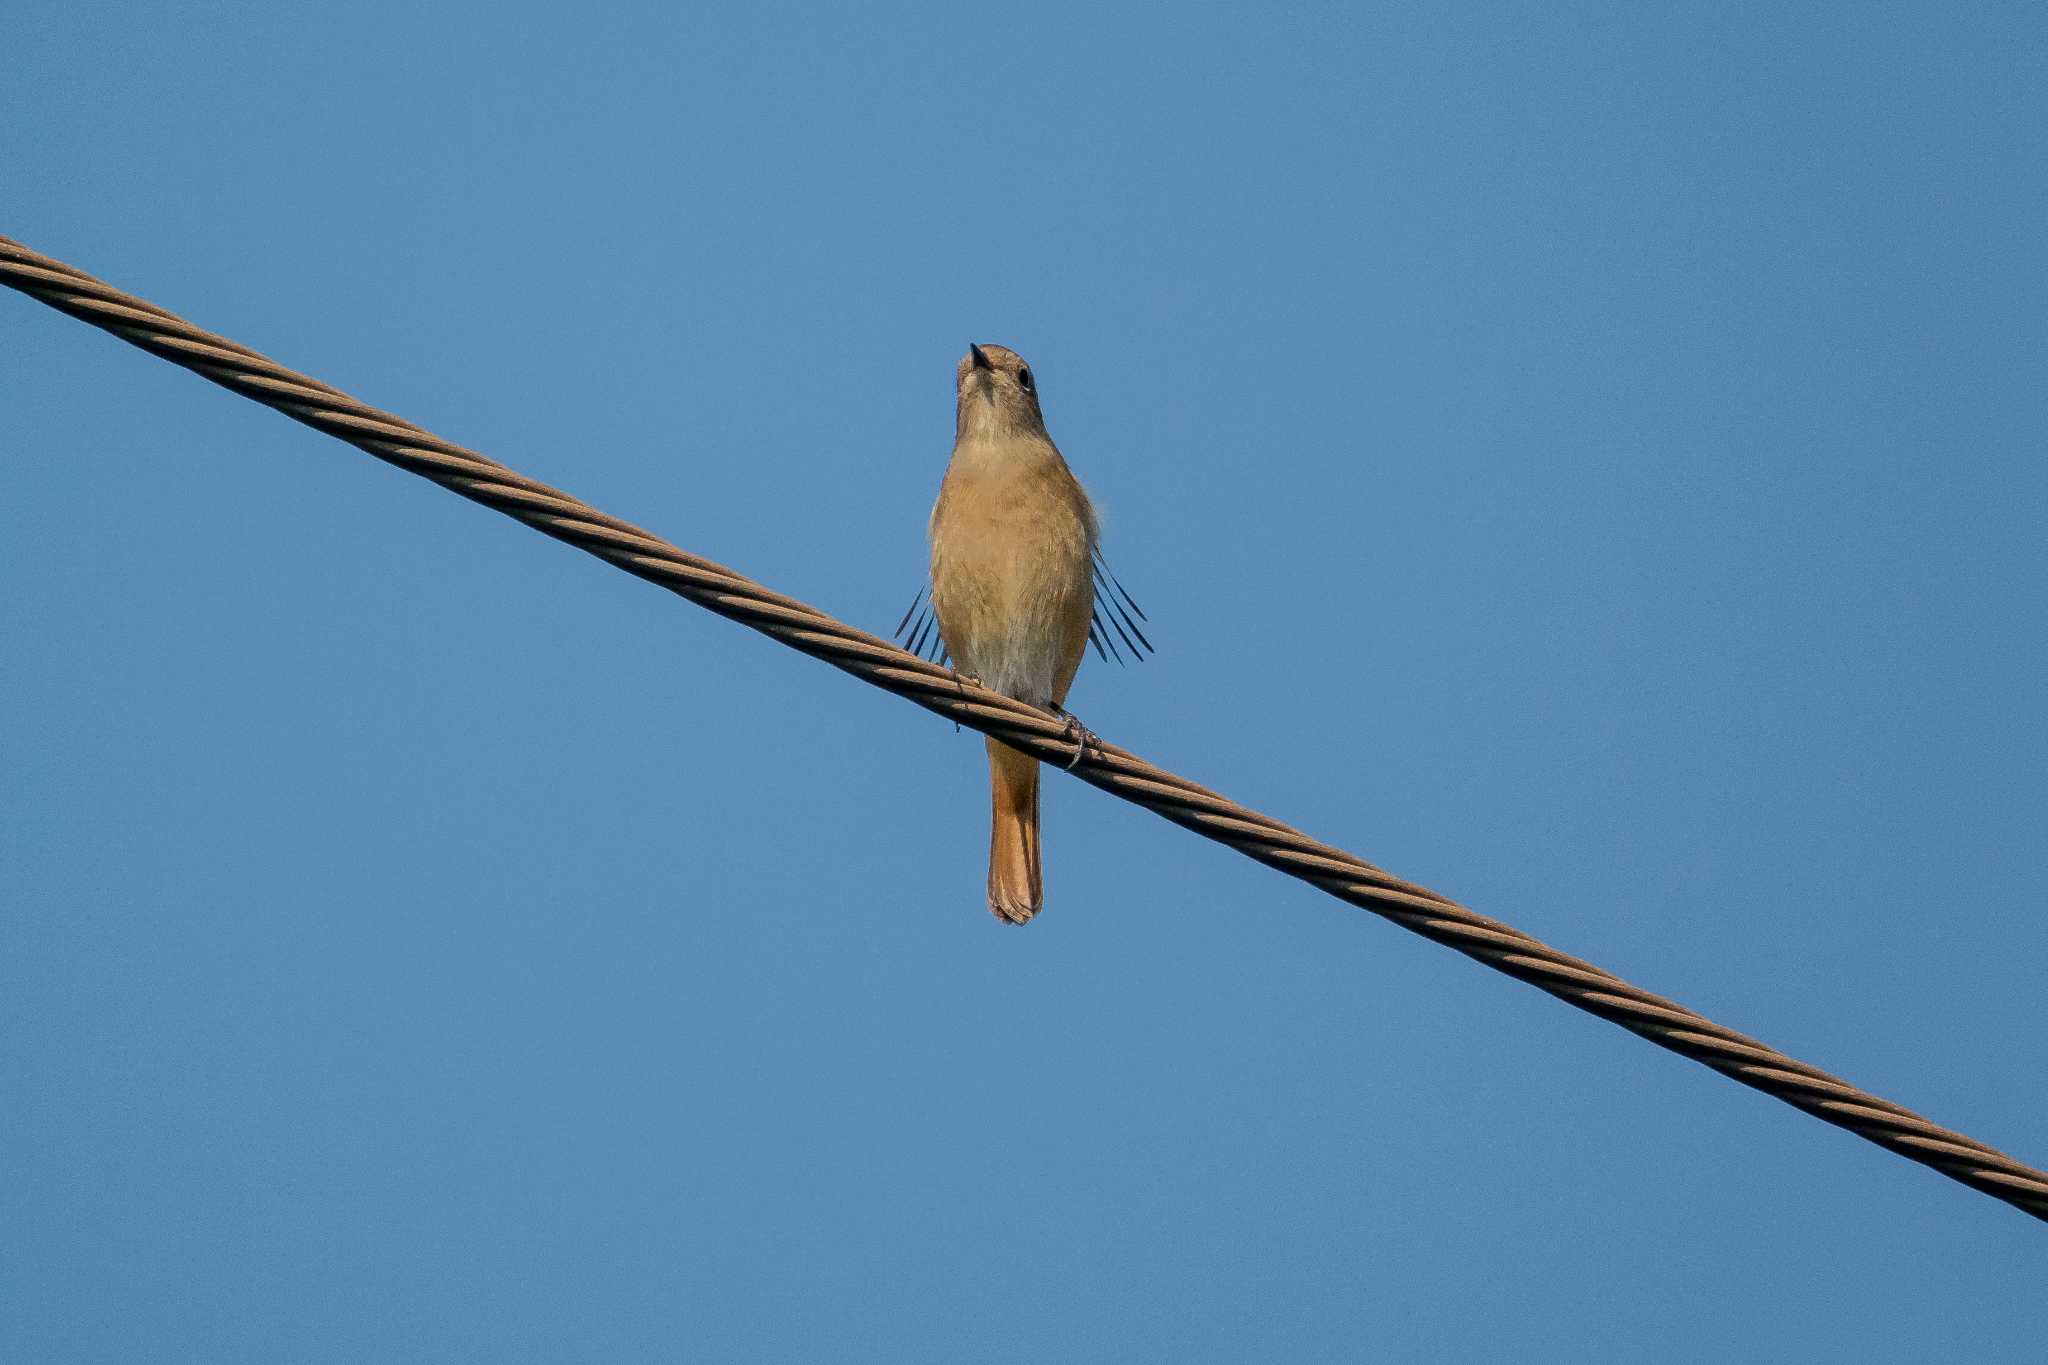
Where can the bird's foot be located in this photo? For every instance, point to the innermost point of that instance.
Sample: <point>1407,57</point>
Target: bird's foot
<point>1080,736</point>
<point>967,678</point>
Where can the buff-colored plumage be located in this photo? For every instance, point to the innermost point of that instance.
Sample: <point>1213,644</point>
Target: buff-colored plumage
<point>1012,539</point>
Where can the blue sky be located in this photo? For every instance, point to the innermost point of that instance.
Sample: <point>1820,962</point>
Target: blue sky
<point>1585,459</point>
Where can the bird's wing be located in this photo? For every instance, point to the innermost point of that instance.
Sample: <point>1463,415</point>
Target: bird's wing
<point>1116,618</point>
<point>919,631</point>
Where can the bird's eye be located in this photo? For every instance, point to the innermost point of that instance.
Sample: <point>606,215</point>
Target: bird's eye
<point>1024,378</point>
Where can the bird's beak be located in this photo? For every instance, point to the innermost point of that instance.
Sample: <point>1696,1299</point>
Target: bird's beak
<point>980,357</point>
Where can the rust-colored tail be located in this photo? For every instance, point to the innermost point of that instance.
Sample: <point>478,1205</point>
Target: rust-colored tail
<point>1014,889</point>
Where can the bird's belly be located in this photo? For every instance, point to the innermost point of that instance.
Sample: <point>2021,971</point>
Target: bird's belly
<point>1011,611</point>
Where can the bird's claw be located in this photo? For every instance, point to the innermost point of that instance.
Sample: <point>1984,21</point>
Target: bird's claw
<point>1080,736</point>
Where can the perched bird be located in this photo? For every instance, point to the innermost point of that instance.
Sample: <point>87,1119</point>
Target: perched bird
<point>1014,570</point>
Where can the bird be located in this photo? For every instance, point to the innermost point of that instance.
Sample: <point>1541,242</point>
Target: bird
<point>1015,565</point>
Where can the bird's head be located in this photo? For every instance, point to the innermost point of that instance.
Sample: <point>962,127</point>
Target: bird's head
<point>997,394</point>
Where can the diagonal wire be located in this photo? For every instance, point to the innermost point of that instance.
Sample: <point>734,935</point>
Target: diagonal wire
<point>1040,733</point>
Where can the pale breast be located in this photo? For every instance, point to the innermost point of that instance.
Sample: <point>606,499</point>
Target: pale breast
<point>1011,539</point>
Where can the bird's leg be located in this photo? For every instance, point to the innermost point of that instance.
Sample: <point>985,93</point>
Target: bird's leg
<point>1079,735</point>
<point>964,678</point>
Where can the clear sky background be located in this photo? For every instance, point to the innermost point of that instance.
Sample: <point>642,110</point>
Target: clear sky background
<point>1587,459</point>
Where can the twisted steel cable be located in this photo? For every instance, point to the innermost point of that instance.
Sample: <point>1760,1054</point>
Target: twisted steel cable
<point>1113,769</point>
